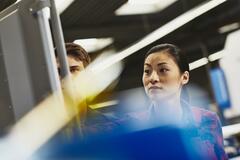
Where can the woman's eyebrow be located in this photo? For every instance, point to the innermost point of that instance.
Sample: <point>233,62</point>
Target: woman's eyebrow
<point>162,63</point>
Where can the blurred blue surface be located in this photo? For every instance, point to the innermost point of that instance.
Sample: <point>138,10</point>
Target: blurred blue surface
<point>156,143</point>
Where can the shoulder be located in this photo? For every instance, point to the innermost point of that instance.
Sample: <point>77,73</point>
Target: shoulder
<point>200,113</point>
<point>210,128</point>
<point>205,117</point>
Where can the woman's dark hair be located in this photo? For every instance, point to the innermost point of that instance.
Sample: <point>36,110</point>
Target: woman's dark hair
<point>179,58</point>
<point>175,52</point>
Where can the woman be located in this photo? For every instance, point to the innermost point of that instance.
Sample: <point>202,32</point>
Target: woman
<point>165,75</point>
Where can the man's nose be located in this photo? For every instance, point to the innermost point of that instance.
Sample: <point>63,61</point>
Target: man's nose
<point>154,77</point>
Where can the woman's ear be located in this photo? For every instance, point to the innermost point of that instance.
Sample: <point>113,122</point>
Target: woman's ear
<point>185,77</point>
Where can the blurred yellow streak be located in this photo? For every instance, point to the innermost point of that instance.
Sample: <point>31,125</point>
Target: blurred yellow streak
<point>104,104</point>
<point>51,115</point>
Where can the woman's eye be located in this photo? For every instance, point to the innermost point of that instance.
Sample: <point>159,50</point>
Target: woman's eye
<point>163,70</point>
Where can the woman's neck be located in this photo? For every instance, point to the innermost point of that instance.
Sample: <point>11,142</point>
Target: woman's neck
<point>169,109</point>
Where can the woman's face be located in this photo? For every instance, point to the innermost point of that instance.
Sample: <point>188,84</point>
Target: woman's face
<point>161,77</point>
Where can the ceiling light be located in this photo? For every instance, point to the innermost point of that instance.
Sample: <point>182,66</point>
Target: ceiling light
<point>143,6</point>
<point>163,31</point>
<point>204,61</point>
<point>94,44</point>
<point>216,56</point>
<point>198,63</point>
<point>229,27</point>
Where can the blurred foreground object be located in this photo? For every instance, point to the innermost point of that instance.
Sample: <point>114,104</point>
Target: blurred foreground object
<point>230,64</point>
<point>47,118</point>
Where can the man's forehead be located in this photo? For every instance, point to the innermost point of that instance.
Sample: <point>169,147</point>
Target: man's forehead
<point>73,62</point>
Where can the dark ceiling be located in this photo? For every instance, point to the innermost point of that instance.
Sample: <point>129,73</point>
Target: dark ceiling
<point>96,19</point>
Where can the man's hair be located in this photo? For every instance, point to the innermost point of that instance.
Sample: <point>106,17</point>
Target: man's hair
<point>77,52</point>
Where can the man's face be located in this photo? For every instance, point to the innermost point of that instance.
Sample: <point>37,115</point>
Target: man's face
<point>75,65</point>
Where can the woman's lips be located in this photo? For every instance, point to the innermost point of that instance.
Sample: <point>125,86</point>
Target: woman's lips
<point>155,88</point>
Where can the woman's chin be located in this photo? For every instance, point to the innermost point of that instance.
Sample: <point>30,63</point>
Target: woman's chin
<point>157,97</point>
<point>160,96</point>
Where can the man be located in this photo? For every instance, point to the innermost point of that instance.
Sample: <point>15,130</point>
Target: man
<point>77,58</point>
<point>88,121</point>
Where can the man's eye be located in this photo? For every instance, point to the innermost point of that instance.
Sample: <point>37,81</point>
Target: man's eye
<point>59,71</point>
<point>74,70</point>
<point>147,71</point>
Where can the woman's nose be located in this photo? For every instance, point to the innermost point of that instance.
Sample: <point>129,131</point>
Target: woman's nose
<point>154,77</point>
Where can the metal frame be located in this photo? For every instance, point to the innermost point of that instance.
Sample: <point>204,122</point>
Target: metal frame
<point>28,53</point>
